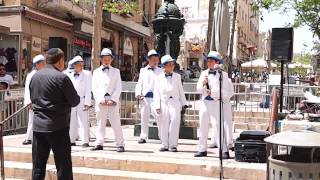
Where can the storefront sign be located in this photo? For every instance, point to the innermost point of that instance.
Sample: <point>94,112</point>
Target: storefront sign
<point>82,43</point>
<point>36,44</point>
<point>128,48</point>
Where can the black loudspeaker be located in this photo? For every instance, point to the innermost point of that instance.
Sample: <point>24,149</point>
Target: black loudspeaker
<point>282,44</point>
<point>59,42</point>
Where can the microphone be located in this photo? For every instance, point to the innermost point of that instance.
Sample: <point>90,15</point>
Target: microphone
<point>218,67</point>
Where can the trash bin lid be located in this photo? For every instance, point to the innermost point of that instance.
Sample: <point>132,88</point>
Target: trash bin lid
<point>306,139</point>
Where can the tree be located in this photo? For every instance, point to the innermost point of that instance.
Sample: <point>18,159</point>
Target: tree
<point>307,12</point>
<point>210,24</point>
<point>303,59</point>
<point>96,36</point>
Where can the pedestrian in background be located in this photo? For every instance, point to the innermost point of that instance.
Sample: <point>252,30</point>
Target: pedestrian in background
<point>38,62</point>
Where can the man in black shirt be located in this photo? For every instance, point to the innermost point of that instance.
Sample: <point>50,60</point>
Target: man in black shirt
<point>52,95</point>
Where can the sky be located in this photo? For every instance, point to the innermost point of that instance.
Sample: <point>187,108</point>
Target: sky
<point>301,35</point>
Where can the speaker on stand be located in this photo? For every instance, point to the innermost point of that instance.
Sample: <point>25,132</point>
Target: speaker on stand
<point>282,51</point>
<point>59,42</point>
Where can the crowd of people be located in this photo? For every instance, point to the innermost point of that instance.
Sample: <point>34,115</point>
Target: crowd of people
<point>60,100</point>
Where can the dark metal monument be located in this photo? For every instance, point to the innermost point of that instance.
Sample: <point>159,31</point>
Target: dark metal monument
<point>168,26</point>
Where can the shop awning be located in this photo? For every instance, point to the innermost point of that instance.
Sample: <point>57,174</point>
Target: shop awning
<point>10,19</point>
<point>44,18</point>
<point>118,22</point>
<point>4,29</point>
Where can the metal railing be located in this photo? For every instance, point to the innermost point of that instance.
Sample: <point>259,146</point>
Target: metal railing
<point>10,125</point>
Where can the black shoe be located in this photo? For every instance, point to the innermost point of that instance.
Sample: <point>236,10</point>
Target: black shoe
<point>97,148</point>
<point>73,144</point>
<point>231,149</point>
<point>213,146</point>
<point>200,154</point>
<point>27,142</point>
<point>163,149</point>
<point>174,149</point>
<point>85,145</point>
<point>120,149</point>
<point>142,141</point>
<point>225,155</point>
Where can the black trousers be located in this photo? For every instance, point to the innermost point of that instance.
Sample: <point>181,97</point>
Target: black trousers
<point>59,143</point>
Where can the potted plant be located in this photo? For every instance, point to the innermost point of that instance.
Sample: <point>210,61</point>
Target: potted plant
<point>121,7</point>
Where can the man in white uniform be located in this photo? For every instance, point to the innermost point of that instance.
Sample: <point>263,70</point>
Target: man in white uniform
<point>209,86</point>
<point>38,63</point>
<point>144,93</point>
<point>106,89</point>
<point>169,100</point>
<point>81,80</point>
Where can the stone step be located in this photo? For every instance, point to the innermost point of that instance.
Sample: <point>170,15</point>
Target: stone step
<point>250,126</point>
<point>204,167</point>
<point>251,120</point>
<point>23,170</point>
<point>251,114</point>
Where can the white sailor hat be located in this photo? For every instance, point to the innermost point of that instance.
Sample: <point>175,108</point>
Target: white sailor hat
<point>38,58</point>
<point>215,56</point>
<point>75,60</point>
<point>152,53</point>
<point>106,52</point>
<point>165,59</point>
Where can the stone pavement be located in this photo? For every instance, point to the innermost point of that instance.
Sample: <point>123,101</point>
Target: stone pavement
<point>140,161</point>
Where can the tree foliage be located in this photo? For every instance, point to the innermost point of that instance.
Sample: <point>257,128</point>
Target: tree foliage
<point>303,59</point>
<point>307,12</point>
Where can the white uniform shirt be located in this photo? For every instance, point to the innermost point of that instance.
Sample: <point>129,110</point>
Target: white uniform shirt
<point>27,99</point>
<point>82,84</point>
<point>108,81</point>
<point>166,87</point>
<point>227,86</point>
<point>146,80</point>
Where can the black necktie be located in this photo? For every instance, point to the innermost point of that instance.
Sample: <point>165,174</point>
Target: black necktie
<point>168,74</point>
<point>76,75</point>
<point>150,68</point>
<point>105,68</point>
<point>212,72</point>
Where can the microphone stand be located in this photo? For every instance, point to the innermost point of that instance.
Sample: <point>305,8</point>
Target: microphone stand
<point>221,124</point>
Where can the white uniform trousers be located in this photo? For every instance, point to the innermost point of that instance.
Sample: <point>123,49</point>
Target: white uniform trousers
<point>228,116</point>
<point>30,126</point>
<point>79,123</point>
<point>170,123</point>
<point>147,109</point>
<point>111,112</point>
<point>209,112</point>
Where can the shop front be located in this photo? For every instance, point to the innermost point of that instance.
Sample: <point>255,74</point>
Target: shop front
<point>82,41</point>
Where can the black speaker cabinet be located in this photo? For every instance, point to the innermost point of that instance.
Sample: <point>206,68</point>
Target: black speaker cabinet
<point>59,42</point>
<point>282,44</point>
